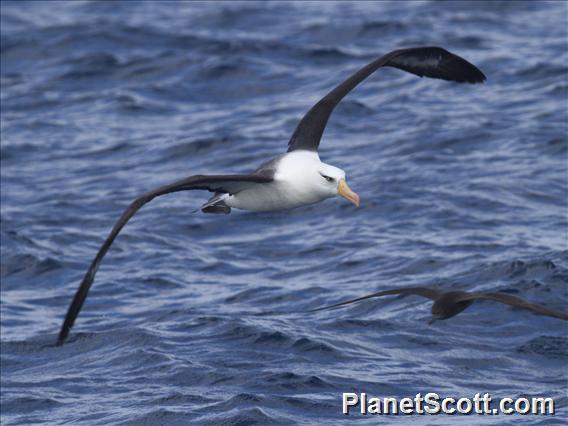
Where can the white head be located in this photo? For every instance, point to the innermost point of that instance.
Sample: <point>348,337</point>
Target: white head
<point>311,181</point>
<point>332,182</point>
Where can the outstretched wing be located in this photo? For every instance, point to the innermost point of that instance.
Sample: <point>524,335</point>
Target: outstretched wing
<point>227,184</point>
<point>515,301</point>
<point>428,293</point>
<point>433,62</point>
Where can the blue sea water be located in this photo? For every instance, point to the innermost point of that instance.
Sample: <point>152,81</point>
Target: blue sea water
<point>199,318</point>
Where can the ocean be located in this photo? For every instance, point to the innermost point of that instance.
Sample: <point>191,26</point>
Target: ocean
<point>202,319</point>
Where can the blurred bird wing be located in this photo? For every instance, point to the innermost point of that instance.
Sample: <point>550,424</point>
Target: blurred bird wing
<point>428,293</point>
<point>515,301</point>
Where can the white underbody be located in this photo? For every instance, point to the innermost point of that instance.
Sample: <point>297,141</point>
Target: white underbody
<point>297,182</point>
<point>271,196</point>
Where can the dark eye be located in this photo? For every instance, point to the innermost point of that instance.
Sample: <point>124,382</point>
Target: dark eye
<point>328,178</point>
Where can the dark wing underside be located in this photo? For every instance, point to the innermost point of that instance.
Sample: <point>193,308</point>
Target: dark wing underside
<point>433,62</point>
<point>428,293</point>
<point>517,302</point>
<point>221,183</point>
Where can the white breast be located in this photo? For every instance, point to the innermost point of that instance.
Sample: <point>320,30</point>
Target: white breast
<point>293,186</point>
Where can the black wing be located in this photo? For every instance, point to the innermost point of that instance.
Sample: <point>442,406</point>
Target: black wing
<point>508,299</point>
<point>433,62</point>
<point>227,184</point>
<point>429,293</point>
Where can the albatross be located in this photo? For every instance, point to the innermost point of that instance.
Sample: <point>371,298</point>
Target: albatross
<point>448,304</point>
<point>295,178</point>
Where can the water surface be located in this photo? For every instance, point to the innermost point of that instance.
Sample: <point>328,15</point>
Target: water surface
<point>196,317</point>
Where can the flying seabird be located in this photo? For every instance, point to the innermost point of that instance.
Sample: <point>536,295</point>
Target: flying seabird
<point>450,303</point>
<point>293,179</point>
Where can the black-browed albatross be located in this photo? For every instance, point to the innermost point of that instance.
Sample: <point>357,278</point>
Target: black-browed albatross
<point>293,179</point>
<point>448,304</point>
